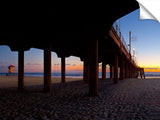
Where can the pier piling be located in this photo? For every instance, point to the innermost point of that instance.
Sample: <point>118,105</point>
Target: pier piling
<point>47,68</point>
<point>20,70</point>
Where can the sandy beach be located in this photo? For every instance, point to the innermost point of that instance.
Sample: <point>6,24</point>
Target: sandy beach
<point>12,81</point>
<point>130,99</point>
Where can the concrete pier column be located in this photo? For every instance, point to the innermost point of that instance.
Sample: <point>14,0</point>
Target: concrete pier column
<point>103,70</point>
<point>93,68</point>
<point>126,70</point>
<point>137,72</point>
<point>20,70</point>
<point>129,70</point>
<point>63,73</point>
<point>86,71</point>
<point>47,68</point>
<point>122,70</point>
<point>110,71</point>
<point>134,72</point>
<point>87,74</point>
<point>115,80</point>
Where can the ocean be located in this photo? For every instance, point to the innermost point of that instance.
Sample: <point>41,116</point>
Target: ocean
<point>69,75</point>
<point>80,75</point>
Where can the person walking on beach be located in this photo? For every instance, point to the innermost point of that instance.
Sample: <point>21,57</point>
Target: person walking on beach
<point>142,74</point>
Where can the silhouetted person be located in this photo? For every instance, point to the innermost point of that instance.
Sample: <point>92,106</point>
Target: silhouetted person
<point>137,74</point>
<point>142,73</point>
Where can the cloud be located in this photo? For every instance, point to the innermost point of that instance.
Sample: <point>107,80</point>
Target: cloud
<point>3,67</point>
<point>77,71</point>
<point>68,64</point>
<point>152,68</point>
<point>57,64</point>
<point>32,64</point>
<point>74,65</point>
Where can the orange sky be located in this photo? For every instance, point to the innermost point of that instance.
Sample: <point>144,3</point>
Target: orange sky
<point>151,68</point>
<point>34,62</point>
<point>77,66</point>
<point>154,67</point>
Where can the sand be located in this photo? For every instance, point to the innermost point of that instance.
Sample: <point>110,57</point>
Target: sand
<point>130,99</point>
<point>12,81</point>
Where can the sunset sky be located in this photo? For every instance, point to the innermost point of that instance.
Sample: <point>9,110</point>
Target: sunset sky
<point>145,40</point>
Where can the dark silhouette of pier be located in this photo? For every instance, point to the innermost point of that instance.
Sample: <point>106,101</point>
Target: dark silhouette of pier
<point>93,43</point>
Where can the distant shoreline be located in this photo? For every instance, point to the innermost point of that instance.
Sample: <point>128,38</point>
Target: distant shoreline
<point>79,75</point>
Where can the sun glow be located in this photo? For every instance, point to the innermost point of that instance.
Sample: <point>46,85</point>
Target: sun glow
<point>151,68</point>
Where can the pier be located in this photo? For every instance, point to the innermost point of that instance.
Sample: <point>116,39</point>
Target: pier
<point>92,43</point>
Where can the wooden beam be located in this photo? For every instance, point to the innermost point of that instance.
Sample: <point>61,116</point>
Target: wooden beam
<point>63,73</point>
<point>93,68</point>
<point>47,68</point>
<point>20,70</point>
<point>115,80</point>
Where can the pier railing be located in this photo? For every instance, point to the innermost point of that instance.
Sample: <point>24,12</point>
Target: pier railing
<point>117,29</point>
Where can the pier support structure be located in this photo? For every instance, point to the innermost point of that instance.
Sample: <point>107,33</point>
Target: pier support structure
<point>93,68</point>
<point>111,71</point>
<point>130,73</point>
<point>20,70</point>
<point>63,73</point>
<point>122,69</point>
<point>126,69</point>
<point>103,70</point>
<point>86,71</point>
<point>115,80</point>
<point>47,68</point>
